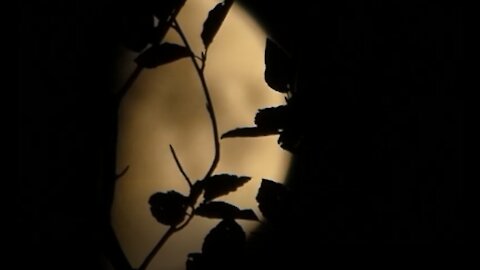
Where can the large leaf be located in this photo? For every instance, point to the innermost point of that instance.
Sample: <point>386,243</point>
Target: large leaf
<point>226,240</point>
<point>215,18</point>
<point>272,200</point>
<point>161,54</point>
<point>272,118</point>
<point>222,184</point>
<point>223,210</point>
<point>249,132</point>
<point>168,208</point>
<point>279,68</point>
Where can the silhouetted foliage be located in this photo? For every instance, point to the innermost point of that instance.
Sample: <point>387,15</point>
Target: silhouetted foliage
<point>279,68</point>
<point>273,200</point>
<point>222,184</point>
<point>168,208</point>
<point>223,248</point>
<point>223,210</point>
<point>249,132</point>
<point>161,54</point>
<point>215,18</point>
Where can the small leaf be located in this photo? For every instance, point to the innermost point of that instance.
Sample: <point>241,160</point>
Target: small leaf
<point>217,210</point>
<point>279,68</point>
<point>249,132</point>
<point>168,208</point>
<point>272,200</point>
<point>215,18</point>
<point>222,184</point>
<point>161,54</point>
<point>225,242</point>
<point>273,118</point>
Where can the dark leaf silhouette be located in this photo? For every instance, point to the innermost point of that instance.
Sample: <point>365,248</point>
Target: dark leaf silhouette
<point>168,208</point>
<point>222,184</point>
<point>215,18</point>
<point>161,54</point>
<point>249,132</point>
<point>272,200</point>
<point>272,118</point>
<point>290,140</point>
<point>137,30</point>
<point>279,68</point>
<point>195,261</point>
<point>223,210</point>
<point>225,242</point>
<point>217,210</point>
<point>165,11</point>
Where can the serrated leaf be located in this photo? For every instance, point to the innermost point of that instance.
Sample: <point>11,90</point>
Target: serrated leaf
<point>272,200</point>
<point>161,54</point>
<point>215,18</point>
<point>249,132</point>
<point>279,68</point>
<point>272,118</point>
<point>222,184</point>
<point>224,242</point>
<point>168,208</point>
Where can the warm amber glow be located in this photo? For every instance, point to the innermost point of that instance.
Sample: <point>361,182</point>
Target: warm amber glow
<point>166,106</point>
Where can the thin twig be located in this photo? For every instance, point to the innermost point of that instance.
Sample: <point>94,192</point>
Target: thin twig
<point>122,173</point>
<point>180,166</point>
<point>157,247</point>
<point>209,105</point>
<point>133,77</point>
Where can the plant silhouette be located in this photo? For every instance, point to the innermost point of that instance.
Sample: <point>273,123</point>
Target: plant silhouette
<point>324,107</point>
<point>374,113</point>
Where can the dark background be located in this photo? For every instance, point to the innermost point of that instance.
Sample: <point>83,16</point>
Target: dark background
<point>382,156</point>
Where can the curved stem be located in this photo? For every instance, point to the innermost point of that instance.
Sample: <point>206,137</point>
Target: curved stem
<point>179,165</point>
<point>157,247</point>
<point>211,112</point>
<point>162,242</point>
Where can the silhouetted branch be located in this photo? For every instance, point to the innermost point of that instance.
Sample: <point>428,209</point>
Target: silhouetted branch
<point>206,91</point>
<point>122,173</point>
<point>180,166</point>
<point>157,247</point>
<point>129,82</point>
